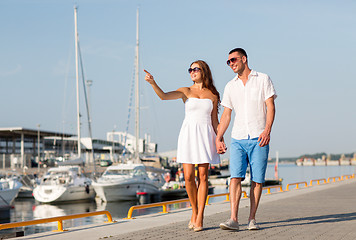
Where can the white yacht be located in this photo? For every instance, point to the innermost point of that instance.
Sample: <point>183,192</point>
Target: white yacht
<point>9,188</point>
<point>63,184</point>
<point>123,181</point>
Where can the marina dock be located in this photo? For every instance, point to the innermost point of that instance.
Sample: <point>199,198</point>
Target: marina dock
<point>325,211</point>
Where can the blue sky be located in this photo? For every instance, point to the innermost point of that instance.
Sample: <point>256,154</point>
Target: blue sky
<point>307,47</point>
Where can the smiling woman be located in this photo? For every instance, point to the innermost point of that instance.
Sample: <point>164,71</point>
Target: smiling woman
<point>196,142</point>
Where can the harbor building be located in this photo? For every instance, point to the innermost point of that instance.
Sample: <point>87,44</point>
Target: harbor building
<point>23,147</point>
<point>20,146</point>
<point>129,141</point>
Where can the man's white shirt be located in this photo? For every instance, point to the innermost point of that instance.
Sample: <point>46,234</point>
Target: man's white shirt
<point>249,104</point>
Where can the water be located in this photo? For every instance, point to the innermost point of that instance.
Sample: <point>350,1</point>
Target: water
<point>291,173</point>
<point>28,209</point>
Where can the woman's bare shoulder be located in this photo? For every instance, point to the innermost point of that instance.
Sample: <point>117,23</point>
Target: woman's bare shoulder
<point>211,95</point>
<point>183,89</point>
<point>215,97</point>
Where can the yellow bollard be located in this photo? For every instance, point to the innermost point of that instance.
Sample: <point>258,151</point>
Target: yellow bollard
<point>164,209</point>
<point>60,227</point>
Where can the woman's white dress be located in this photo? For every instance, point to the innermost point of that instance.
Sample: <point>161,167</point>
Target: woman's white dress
<point>196,141</point>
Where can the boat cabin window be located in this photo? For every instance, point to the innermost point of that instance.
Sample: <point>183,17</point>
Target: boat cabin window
<point>59,174</point>
<point>57,177</point>
<point>118,172</point>
<point>139,172</point>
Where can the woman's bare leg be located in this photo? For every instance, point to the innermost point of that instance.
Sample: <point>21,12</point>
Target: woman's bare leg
<point>202,193</point>
<point>191,188</point>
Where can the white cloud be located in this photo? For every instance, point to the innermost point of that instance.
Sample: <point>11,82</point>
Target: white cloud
<point>10,72</point>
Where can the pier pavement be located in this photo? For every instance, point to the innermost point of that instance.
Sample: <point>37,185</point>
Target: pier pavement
<point>326,211</point>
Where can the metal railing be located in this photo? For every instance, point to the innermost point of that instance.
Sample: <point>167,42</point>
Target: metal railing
<point>317,181</point>
<point>224,194</point>
<point>273,187</point>
<point>345,177</point>
<point>56,219</point>
<point>296,185</point>
<point>333,178</point>
<point>159,204</point>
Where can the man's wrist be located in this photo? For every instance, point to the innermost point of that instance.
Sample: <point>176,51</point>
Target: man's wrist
<point>267,130</point>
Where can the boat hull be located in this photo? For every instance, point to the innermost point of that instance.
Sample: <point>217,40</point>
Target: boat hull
<point>53,193</point>
<point>9,189</point>
<point>121,191</point>
<point>7,196</point>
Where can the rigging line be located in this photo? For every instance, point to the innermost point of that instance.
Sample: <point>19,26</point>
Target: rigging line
<point>84,86</point>
<point>129,110</point>
<point>86,104</point>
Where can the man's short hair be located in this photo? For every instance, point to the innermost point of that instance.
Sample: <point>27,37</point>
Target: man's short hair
<point>241,51</point>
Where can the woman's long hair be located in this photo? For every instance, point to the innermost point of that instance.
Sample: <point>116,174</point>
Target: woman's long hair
<point>207,78</point>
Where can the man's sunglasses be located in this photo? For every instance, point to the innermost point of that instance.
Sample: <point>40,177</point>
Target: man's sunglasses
<point>232,60</point>
<point>196,69</point>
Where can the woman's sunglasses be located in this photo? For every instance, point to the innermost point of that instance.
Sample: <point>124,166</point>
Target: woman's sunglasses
<point>196,69</point>
<point>232,60</point>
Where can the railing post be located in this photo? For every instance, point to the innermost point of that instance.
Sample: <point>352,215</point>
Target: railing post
<point>207,200</point>
<point>245,194</point>
<point>129,214</point>
<point>60,226</point>
<point>108,215</point>
<point>164,208</point>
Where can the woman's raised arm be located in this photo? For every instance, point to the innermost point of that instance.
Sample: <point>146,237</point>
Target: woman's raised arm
<point>162,95</point>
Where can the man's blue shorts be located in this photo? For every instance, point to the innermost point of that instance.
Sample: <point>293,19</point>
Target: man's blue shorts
<point>247,151</point>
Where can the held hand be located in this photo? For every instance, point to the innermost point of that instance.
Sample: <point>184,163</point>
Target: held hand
<point>220,146</point>
<point>264,139</point>
<point>149,78</point>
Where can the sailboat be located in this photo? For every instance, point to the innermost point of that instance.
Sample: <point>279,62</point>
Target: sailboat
<point>9,188</point>
<point>124,180</point>
<point>67,183</point>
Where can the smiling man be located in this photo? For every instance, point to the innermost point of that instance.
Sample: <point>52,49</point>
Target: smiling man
<point>251,95</point>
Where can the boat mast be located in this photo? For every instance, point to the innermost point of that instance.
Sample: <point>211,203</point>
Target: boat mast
<point>137,103</point>
<point>77,77</point>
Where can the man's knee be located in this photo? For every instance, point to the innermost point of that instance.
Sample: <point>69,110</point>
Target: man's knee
<point>236,180</point>
<point>256,185</point>
<point>235,183</point>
